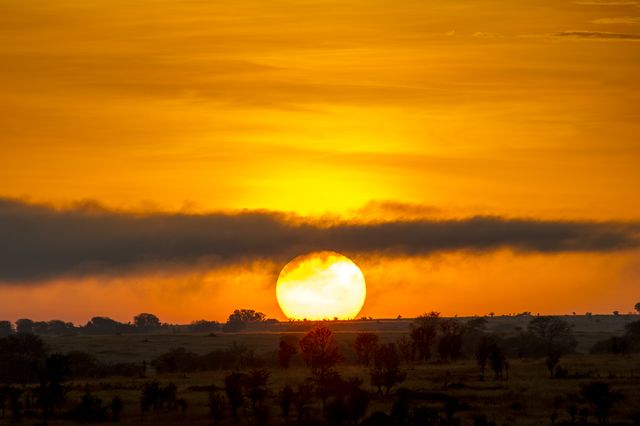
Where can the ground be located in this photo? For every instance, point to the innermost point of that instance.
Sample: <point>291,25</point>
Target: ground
<point>526,398</point>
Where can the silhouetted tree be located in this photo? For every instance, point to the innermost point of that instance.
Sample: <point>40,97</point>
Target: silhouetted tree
<point>600,396</point>
<point>637,307</point>
<point>24,325</point>
<point>629,342</point>
<point>481,420</point>
<point>4,396</point>
<point>84,365</point>
<point>450,343</point>
<point>216,406</point>
<point>104,325</point>
<point>356,400</point>
<point>146,322</point>
<point>150,396</point>
<point>554,333</point>
<point>400,408</point>
<point>385,371</point>
<point>365,345</point>
<point>15,405</point>
<point>553,358</point>
<point>60,328</point>
<point>256,384</point>
<point>451,405</point>
<point>116,407</point>
<point>19,354</point>
<point>204,326</point>
<point>405,349</point>
<point>233,387</point>
<point>423,334</point>
<point>320,351</point>
<point>287,349</point>
<point>497,361</point>
<point>5,328</point>
<point>239,319</point>
<point>482,353</point>
<point>285,398</point>
<point>247,315</point>
<point>302,400</point>
<point>336,411</point>
<point>7,393</point>
<point>378,418</point>
<point>154,397</point>
<point>51,392</point>
<point>90,410</point>
<point>477,324</point>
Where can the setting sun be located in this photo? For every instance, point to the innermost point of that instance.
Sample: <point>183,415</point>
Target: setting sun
<point>321,285</point>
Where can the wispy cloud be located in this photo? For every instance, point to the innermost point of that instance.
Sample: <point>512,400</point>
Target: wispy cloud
<point>597,35</point>
<point>40,243</point>
<point>621,20</point>
<point>608,2</point>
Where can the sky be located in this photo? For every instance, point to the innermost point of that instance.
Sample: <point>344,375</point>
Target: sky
<point>471,156</point>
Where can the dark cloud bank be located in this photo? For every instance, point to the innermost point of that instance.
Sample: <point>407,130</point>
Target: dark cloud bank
<point>39,242</point>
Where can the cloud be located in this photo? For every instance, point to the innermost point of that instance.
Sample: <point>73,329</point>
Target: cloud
<point>621,20</point>
<point>40,243</point>
<point>597,35</point>
<point>481,34</point>
<point>607,2</point>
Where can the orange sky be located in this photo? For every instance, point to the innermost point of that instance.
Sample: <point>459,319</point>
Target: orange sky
<point>353,110</point>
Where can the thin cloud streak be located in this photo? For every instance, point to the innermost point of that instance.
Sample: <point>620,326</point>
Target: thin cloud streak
<point>40,243</point>
<point>597,35</point>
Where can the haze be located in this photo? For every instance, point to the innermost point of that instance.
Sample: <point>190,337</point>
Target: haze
<point>171,157</point>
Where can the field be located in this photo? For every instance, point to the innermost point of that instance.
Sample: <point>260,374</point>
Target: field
<point>264,339</point>
<point>528,397</point>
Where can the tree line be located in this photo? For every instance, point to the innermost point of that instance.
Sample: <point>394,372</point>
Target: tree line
<point>238,320</point>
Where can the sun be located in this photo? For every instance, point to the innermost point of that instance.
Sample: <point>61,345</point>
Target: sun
<point>321,285</point>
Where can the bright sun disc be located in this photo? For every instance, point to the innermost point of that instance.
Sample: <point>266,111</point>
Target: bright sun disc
<point>321,285</point>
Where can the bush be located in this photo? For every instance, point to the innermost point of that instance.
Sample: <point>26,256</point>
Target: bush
<point>180,360</point>
<point>90,410</point>
<point>629,342</point>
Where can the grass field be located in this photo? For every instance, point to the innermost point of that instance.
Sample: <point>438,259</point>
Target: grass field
<point>264,339</point>
<point>528,397</point>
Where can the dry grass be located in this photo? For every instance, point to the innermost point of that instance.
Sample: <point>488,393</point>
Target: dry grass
<point>526,398</point>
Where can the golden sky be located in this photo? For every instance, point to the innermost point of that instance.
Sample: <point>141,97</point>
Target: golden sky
<point>333,111</point>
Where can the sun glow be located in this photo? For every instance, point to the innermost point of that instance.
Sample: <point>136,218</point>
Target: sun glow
<point>321,285</point>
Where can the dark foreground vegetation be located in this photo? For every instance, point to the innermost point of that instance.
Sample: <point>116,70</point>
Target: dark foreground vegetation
<point>438,371</point>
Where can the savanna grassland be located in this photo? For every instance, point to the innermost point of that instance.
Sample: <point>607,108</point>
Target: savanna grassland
<point>439,390</point>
